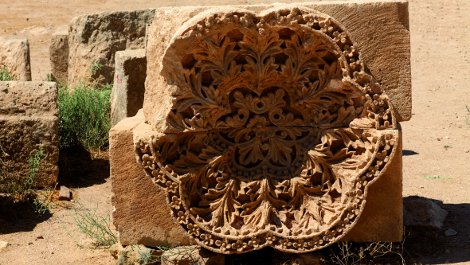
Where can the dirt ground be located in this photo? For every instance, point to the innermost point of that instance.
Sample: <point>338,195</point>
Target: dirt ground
<point>436,140</point>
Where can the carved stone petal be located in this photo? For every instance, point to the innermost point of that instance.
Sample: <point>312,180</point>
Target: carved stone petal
<point>275,130</point>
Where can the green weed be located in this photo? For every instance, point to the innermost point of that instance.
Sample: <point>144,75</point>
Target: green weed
<point>84,116</point>
<point>95,227</point>
<point>95,67</point>
<point>5,74</point>
<point>23,190</point>
<point>435,177</point>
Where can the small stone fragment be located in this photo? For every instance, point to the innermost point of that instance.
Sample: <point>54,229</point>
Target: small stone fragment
<point>418,211</point>
<point>65,194</point>
<point>191,255</point>
<point>3,245</point>
<point>115,250</point>
<point>450,232</point>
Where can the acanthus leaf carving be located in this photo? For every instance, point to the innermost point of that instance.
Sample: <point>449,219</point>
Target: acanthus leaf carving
<point>277,131</point>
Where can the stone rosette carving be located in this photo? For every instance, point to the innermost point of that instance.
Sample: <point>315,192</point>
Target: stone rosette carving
<point>275,131</point>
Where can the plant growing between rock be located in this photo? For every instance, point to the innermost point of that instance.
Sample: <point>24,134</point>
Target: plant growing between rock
<point>22,191</point>
<point>84,116</point>
<point>5,74</point>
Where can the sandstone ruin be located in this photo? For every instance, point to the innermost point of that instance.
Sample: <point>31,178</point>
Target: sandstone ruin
<point>268,126</point>
<point>94,39</point>
<point>28,123</point>
<point>127,95</point>
<point>14,56</point>
<point>58,57</point>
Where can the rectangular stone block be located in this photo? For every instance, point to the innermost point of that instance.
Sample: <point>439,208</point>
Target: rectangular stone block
<point>14,56</point>
<point>28,125</point>
<point>59,55</point>
<point>380,30</point>
<point>94,40</point>
<point>127,95</point>
<point>141,214</point>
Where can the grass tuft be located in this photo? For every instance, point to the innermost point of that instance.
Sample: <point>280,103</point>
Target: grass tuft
<point>84,115</point>
<point>5,74</point>
<point>97,228</point>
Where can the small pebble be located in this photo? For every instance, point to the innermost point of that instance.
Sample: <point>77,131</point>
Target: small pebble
<point>450,232</point>
<point>4,244</point>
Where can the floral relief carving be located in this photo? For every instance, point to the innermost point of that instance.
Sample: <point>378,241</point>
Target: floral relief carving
<point>275,132</point>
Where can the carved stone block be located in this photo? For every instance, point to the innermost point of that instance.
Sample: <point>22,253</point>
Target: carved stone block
<point>141,214</point>
<point>94,40</point>
<point>28,124</point>
<point>127,96</point>
<point>14,56</point>
<point>267,126</point>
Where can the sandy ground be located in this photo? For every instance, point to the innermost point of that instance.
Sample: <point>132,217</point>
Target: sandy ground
<point>436,140</point>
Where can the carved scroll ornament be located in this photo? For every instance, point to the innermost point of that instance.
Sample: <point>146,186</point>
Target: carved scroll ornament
<point>276,131</point>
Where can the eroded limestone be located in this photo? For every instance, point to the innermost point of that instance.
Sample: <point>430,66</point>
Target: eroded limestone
<point>94,40</point>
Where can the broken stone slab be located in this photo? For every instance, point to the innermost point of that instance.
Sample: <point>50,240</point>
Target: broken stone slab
<point>127,95</point>
<point>191,255</point>
<point>387,55</point>
<point>28,132</point>
<point>59,56</point>
<point>423,212</point>
<point>141,214</point>
<point>65,193</point>
<point>94,40</point>
<point>14,56</point>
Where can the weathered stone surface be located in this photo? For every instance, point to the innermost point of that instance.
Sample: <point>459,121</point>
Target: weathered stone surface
<point>141,214</point>
<point>65,193</point>
<point>14,55</point>
<point>28,124</point>
<point>94,40</point>
<point>191,255</point>
<point>127,96</point>
<point>59,56</point>
<point>422,212</point>
<point>268,128</point>
<point>385,48</point>
<point>382,218</point>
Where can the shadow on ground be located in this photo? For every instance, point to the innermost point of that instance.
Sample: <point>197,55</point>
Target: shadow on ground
<point>19,216</point>
<point>79,168</point>
<point>433,246</point>
<point>407,152</point>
